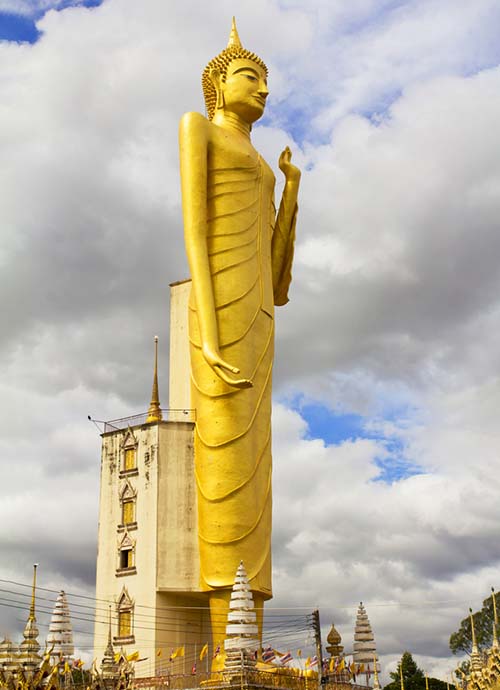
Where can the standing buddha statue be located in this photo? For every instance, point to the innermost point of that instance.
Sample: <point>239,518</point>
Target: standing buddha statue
<point>240,255</point>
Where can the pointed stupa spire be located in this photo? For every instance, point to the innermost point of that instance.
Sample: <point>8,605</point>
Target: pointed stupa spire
<point>475,657</point>
<point>365,650</point>
<point>109,668</point>
<point>60,637</point>
<point>234,39</point>
<point>495,619</point>
<point>242,634</point>
<point>154,412</point>
<point>29,647</point>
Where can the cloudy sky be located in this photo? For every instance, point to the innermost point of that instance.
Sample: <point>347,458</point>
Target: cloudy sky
<point>387,388</point>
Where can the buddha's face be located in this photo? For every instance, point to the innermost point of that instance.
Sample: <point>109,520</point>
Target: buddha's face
<point>245,89</point>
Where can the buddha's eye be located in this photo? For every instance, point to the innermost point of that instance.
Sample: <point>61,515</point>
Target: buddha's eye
<point>249,76</point>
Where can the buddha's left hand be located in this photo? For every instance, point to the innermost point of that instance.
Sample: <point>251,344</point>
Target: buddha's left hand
<point>291,172</point>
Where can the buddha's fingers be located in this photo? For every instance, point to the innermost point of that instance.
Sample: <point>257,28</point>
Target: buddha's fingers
<point>236,383</point>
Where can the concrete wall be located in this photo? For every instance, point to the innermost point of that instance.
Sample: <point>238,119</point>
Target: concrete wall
<point>110,579</point>
<point>180,368</point>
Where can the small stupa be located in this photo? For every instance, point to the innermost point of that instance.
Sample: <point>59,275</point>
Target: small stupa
<point>29,659</point>
<point>8,655</point>
<point>365,650</point>
<point>60,637</point>
<point>110,670</point>
<point>242,634</point>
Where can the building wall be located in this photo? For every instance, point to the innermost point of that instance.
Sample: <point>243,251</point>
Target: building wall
<point>139,581</point>
<point>169,610</point>
<point>180,367</point>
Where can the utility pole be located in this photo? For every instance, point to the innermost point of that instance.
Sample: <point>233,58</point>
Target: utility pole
<point>319,649</point>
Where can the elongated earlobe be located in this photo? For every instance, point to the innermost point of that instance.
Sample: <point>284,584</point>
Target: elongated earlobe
<point>215,77</point>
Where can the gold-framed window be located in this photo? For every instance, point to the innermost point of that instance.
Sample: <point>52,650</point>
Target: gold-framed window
<point>130,459</point>
<point>124,623</point>
<point>128,511</point>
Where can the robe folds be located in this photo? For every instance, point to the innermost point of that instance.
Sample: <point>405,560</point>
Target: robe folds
<point>233,426</point>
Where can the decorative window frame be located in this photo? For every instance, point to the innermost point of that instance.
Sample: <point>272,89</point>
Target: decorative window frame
<point>130,442</point>
<point>127,495</point>
<point>126,544</point>
<point>125,605</point>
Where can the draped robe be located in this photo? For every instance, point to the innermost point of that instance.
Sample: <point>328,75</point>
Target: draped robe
<point>233,426</point>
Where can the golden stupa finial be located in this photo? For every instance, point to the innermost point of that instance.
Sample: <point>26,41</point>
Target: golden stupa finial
<point>401,674</point>
<point>234,39</point>
<point>33,590</point>
<point>426,681</point>
<point>154,412</point>
<point>495,618</point>
<point>473,633</point>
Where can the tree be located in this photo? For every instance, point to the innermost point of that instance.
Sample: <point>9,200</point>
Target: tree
<point>413,676</point>
<point>461,640</point>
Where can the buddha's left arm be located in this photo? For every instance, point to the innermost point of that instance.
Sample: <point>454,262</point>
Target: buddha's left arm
<point>284,230</point>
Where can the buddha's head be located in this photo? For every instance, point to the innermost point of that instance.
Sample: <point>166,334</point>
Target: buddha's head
<point>236,81</point>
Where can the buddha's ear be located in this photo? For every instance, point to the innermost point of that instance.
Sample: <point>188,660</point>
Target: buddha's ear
<point>216,79</point>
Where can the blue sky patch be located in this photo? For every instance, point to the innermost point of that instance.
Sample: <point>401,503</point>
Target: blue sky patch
<point>14,27</point>
<point>22,29</point>
<point>334,428</point>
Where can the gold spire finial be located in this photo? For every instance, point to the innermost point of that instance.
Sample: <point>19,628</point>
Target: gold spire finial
<point>426,681</point>
<point>473,632</point>
<point>154,412</point>
<point>401,674</point>
<point>234,39</point>
<point>32,607</point>
<point>495,618</point>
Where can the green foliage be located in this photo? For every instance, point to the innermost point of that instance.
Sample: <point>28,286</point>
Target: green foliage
<point>413,676</point>
<point>461,640</point>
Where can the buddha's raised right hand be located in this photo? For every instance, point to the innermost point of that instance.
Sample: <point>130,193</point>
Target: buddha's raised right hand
<point>220,367</point>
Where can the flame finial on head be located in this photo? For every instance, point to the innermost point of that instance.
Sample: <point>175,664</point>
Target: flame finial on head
<point>234,39</point>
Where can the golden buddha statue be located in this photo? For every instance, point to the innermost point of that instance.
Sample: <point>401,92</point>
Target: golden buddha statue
<point>240,254</point>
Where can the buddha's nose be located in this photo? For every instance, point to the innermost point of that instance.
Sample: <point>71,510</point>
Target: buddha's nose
<point>263,90</point>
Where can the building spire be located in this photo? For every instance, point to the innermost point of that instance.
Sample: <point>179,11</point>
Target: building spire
<point>495,619</point>
<point>154,412</point>
<point>234,39</point>
<point>475,656</point>
<point>29,647</point>
<point>33,590</point>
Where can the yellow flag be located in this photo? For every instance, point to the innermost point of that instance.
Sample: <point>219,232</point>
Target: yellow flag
<point>133,657</point>
<point>308,662</point>
<point>159,652</point>
<point>361,668</point>
<point>204,651</point>
<point>178,652</point>
<point>66,667</point>
<point>299,653</point>
<point>331,667</point>
<point>342,665</point>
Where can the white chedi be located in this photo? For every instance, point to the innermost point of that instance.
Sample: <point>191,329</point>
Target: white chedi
<point>242,633</point>
<point>60,637</point>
